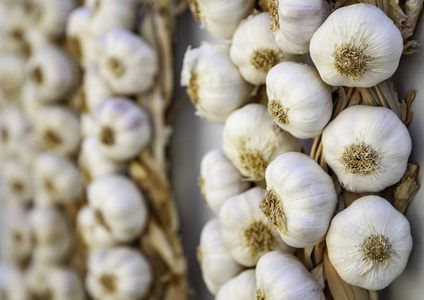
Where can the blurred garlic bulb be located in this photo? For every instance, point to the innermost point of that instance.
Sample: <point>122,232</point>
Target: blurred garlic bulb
<point>254,51</point>
<point>219,179</point>
<point>16,182</point>
<point>13,286</point>
<point>252,141</point>
<point>369,243</point>
<point>93,164</point>
<point>126,62</point>
<point>243,286</point>
<point>58,178</point>
<point>118,206</point>
<point>118,273</point>
<point>95,88</point>
<point>216,263</point>
<point>36,279</point>
<point>57,130</point>
<point>221,17</point>
<point>12,78</point>
<point>13,126</point>
<point>13,24</point>
<point>64,284</point>
<point>52,72</point>
<point>299,101</point>
<point>367,147</point>
<point>122,128</point>
<point>358,45</point>
<point>280,275</point>
<point>246,231</point>
<point>300,199</point>
<point>295,21</point>
<point>213,82</point>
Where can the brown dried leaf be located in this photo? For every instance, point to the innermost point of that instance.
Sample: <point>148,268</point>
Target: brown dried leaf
<point>407,188</point>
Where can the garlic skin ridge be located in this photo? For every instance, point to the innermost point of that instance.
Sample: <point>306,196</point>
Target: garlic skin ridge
<point>367,147</point>
<point>369,243</point>
<point>243,286</point>
<point>357,46</point>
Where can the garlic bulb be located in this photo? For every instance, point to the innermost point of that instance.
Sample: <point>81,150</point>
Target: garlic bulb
<point>369,243</point>
<point>126,58</point>
<point>12,78</point>
<point>13,23</point>
<point>295,21</point>
<point>219,179</point>
<point>254,51</point>
<point>300,199</point>
<point>64,284</point>
<point>57,130</point>
<point>36,279</point>
<point>280,275</point>
<point>95,88</point>
<point>16,183</point>
<point>118,273</point>
<point>221,17</point>
<point>243,286</point>
<point>13,284</point>
<point>246,231</point>
<point>122,128</point>
<point>118,206</point>
<point>299,101</point>
<point>52,72</point>
<point>216,263</point>
<point>213,82</point>
<point>367,147</point>
<point>57,178</point>
<point>252,141</point>
<point>358,45</point>
<point>13,126</point>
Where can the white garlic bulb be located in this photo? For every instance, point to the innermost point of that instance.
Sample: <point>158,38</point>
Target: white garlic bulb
<point>295,21</point>
<point>254,50</point>
<point>118,273</point>
<point>57,178</point>
<point>12,78</point>
<point>299,101</point>
<point>127,63</point>
<point>358,45</point>
<point>246,231</point>
<point>280,275</point>
<point>13,126</point>
<point>216,263</point>
<point>300,199</point>
<point>221,17</point>
<point>16,182</point>
<point>122,128</point>
<point>369,243</point>
<point>13,24</point>
<point>95,88</point>
<point>36,279</point>
<point>52,72</point>
<point>243,286</point>
<point>12,284</point>
<point>213,82</point>
<point>119,206</point>
<point>367,147</point>
<point>252,141</point>
<point>64,284</point>
<point>219,179</point>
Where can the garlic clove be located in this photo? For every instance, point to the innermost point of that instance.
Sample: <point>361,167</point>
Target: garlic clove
<point>243,286</point>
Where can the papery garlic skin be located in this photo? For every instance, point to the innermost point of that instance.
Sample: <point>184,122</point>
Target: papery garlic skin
<point>213,82</point>
<point>280,275</point>
<point>246,231</point>
<point>369,243</point>
<point>12,78</point>
<point>221,17</point>
<point>219,179</point>
<point>95,88</point>
<point>16,183</point>
<point>357,46</point>
<point>118,273</point>
<point>122,128</point>
<point>252,141</point>
<point>119,206</point>
<point>254,50</point>
<point>64,284</point>
<point>367,147</point>
<point>299,101</point>
<point>243,286</point>
<point>300,199</point>
<point>216,263</point>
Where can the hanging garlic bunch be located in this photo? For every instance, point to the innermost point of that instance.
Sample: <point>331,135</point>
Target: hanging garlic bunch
<point>243,286</point>
<point>246,231</point>
<point>299,101</point>
<point>252,141</point>
<point>11,78</point>
<point>358,45</point>
<point>16,183</point>
<point>254,50</point>
<point>369,243</point>
<point>219,179</point>
<point>367,147</point>
<point>213,82</point>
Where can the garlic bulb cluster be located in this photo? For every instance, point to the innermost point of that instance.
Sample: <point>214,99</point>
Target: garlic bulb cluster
<point>243,286</point>
<point>252,141</point>
<point>367,147</point>
<point>358,45</point>
<point>369,243</point>
<point>219,179</point>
